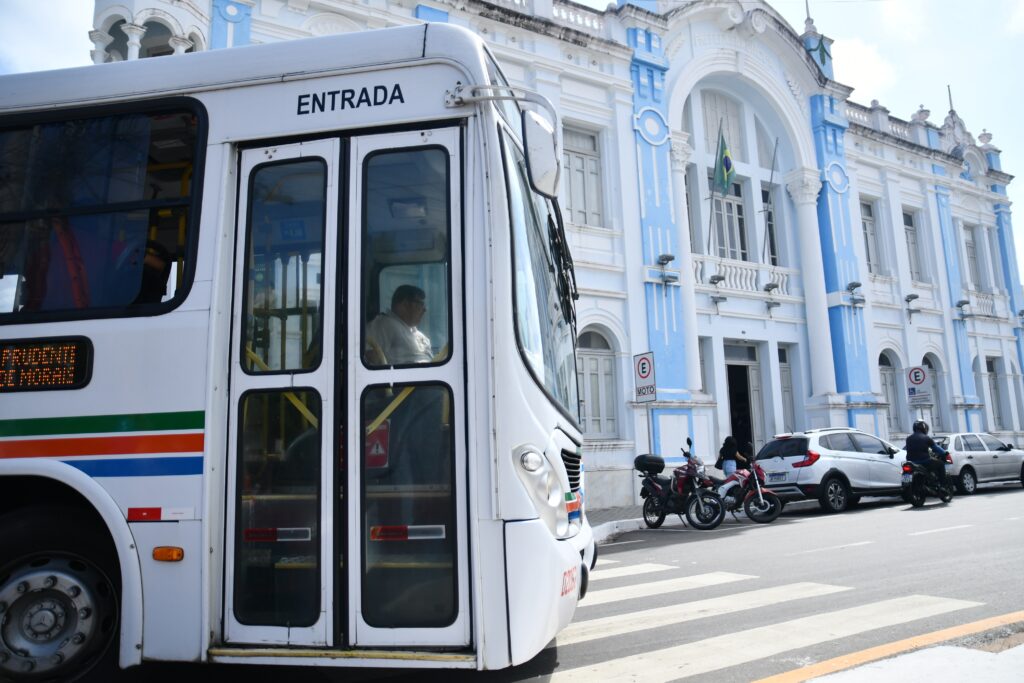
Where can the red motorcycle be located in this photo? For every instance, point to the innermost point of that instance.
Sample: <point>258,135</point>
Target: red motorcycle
<point>688,492</point>
<point>746,490</point>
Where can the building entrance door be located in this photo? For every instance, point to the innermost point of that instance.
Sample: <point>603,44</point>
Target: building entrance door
<point>746,404</point>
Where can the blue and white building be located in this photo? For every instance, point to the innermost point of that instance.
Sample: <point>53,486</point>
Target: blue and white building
<point>850,247</point>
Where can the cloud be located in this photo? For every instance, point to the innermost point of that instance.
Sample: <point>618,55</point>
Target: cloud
<point>861,66</point>
<point>45,35</point>
<point>1016,23</point>
<point>907,18</point>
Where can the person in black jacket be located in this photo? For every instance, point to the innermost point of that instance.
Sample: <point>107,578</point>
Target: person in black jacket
<point>919,448</point>
<point>730,457</point>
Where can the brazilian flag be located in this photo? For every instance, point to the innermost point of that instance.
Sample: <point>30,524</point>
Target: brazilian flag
<point>724,170</point>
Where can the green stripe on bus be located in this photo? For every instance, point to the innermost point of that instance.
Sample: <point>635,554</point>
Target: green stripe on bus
<point>94,424</point>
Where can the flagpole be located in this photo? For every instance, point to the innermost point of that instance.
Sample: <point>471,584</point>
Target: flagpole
<point>771,197</point>
<point>711,198</point>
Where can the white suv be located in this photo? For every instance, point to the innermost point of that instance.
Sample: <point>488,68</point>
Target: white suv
<point>980,458</point>
<point>835,465</point>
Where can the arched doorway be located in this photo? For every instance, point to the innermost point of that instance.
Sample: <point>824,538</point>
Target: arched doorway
<point>935,414</point>
<point>889,372</point>
<point>595,367</point>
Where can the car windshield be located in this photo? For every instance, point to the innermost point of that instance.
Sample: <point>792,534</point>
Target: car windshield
<point>942,441</point>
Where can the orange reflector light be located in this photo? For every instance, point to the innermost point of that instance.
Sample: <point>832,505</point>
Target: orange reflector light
<point>168,553</point>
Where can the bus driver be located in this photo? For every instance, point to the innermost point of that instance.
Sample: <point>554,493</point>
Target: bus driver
<point>392,338</point>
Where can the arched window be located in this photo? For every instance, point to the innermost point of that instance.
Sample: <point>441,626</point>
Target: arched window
<point>887,372</point>
<point>156,41</point>
<point>595,365</point>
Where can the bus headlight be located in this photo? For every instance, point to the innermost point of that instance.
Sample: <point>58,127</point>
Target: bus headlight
<point>542,483</point>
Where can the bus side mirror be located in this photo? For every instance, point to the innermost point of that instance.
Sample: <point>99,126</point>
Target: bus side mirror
<point>542,164</point>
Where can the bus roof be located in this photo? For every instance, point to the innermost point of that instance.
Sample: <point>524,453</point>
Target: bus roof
<point>249,65</point>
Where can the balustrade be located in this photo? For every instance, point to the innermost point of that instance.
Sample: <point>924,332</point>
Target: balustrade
<point>743,276</point>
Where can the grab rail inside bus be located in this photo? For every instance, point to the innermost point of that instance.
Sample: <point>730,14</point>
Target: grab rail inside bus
<point>404,394</point>
<point>292,398</point>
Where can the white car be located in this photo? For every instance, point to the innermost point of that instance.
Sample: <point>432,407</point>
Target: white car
<point>980,458</point>
<point>835,465</point>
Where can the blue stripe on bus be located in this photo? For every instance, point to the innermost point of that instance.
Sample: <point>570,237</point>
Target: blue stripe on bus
<point>139,467</point>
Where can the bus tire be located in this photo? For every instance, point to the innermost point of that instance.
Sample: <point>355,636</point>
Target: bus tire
<point>59,594</point>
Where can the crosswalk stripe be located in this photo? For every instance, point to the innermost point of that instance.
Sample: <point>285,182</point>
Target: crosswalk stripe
<point>720,652</point>
<point>631,570</point>
<point>643,590</point>
<point>671,615</point>
<point>602,563</point>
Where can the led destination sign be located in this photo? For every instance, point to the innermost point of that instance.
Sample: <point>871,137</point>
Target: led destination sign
<point>45,364</point>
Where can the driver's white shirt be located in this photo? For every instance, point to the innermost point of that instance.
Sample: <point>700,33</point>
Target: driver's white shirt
<point>400,343</point>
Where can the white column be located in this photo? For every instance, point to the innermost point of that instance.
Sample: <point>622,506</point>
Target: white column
<point>804,186</point>
<point>100,40</point>
<point>680,154</point>
<point>134,34</point>
<point>179,44</point>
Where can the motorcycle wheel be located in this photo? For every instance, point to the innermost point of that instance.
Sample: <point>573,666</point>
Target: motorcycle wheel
<point>712,514</point>
<point>916,494</point>
<point>946,492</point>
<point>654,515</point>
<point>764,511</point>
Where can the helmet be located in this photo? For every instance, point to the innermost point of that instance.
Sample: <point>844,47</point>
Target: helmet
<point>921,426</point>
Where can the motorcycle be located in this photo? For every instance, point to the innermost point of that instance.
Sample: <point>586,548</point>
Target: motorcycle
<point>919,482</point>
<point>747,490</point>
<point>688,492</point>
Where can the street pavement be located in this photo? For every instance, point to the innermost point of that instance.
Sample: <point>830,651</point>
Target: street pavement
<point>992,655</point>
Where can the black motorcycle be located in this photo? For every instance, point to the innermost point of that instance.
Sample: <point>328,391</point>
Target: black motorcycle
<point>919,482</point>
<point>688,492</point>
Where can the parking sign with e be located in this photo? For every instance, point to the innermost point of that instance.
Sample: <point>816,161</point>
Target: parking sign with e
<point>643,377</point>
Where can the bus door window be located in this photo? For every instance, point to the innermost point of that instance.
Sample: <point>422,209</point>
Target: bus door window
<point>283,326</point>
<point>277,556</point>
<point>408,507</point>
<point>406,255</point>
<point>89,206</point>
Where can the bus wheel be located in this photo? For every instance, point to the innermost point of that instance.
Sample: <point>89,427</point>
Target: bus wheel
<point>58,598</point>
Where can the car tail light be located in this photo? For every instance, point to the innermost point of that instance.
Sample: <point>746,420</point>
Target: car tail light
<point>907,468</point>
<point>949,459</point>
<point>809,459</point>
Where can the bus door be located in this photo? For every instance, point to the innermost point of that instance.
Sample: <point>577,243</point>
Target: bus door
<point>279,571</point>
<point>408,578</point>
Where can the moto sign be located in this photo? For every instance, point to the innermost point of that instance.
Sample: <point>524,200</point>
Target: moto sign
<point>643,377</point>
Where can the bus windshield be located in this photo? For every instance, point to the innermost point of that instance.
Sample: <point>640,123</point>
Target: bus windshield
<point>544,314</point>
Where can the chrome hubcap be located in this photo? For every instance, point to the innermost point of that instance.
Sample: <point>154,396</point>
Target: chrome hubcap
<point>52,613</point>
<point>969,483</point>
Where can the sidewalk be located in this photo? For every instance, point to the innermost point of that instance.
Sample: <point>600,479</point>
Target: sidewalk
<point>993,656</point>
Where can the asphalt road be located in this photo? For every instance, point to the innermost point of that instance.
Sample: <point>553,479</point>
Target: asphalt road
<point>747,601</point>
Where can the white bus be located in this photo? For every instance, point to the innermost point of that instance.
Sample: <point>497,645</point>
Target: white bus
<point>286,362</point>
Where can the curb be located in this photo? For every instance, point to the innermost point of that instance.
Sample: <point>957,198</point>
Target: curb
<point>609,530</point>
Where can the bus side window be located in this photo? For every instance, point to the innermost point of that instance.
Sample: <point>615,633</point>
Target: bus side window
<point>102,206</point>
<point>406,254</point>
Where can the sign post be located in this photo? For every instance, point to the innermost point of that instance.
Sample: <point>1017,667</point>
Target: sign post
<point>646,389</point>
<point>919,387</point>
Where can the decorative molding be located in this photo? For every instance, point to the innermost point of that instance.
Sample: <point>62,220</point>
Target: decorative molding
<point>680,151</point>
<point>803,185</point>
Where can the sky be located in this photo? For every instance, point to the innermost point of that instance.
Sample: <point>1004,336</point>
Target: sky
<point>902,53</point>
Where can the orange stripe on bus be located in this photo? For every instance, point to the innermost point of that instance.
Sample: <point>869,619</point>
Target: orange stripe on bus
<point>104,445</point>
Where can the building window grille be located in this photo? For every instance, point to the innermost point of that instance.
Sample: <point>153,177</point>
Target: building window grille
<point>888,380</point>
<point>582,185</point>
<point>722,109</point>
<point>769,225</point>
<point>870,229</point>
<point>910,229</point>
<point>994,397</point>
<point>730,225</point>
<point>595,366</point>
<point>971,248</point>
